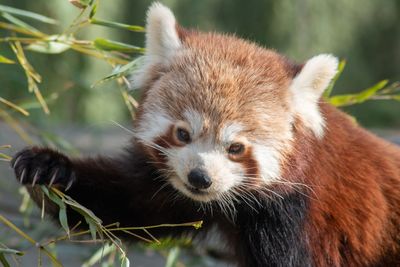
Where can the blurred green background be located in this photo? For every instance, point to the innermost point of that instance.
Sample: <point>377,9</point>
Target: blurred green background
<point>366,33</point>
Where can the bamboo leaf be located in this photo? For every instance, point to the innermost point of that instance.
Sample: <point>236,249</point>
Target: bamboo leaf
<point>5,157</point>
<point>5,60</point>
<point>328,91</point>
<point>93,11</point>
<point>32,76</point>
<point>92,228</point>
<point>54,44</point>
<point>15,28</point>
<point>120,71</point>
<point>62,215</point>
<point>99,254</point>
<point>109,45</point>
<point>21,23</point>
<point>125,261</point>
<point>172,258</point>
<point>27,14</point>
<point>117,25</point>
<point>350,99</point>
<point>369,92</point>
<point>14,106</point>
<point>11,251</point>
<point>4,261</point>
<point>48,47</point>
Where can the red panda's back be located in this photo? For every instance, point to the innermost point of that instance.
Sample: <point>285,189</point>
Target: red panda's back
<point>355,209</point>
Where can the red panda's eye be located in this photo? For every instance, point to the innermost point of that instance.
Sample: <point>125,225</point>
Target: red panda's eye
<point>236,149</point>
<point>183,135</point>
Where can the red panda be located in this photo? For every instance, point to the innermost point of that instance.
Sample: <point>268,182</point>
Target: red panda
<point>238,136</point>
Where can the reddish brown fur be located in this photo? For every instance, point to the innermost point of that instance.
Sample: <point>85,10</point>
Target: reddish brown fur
<point>354,214</point>
<point>223,76</point>
<point>249,163</point>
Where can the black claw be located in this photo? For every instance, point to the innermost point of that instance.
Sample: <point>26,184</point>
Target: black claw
<point>21,179</point>
<point>69,185</point>
<point>15,162</point>
<point>53,178</point>
<point>35,178</point>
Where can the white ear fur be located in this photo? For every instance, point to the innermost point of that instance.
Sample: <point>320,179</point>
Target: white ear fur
<point>161,36</point>
<point>162,41</point>
<point>307,88</point>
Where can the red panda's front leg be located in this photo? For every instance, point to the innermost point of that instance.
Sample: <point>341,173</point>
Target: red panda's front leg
<point>125,190</point>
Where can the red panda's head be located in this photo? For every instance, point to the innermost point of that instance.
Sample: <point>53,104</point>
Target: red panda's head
<point>217,112</point>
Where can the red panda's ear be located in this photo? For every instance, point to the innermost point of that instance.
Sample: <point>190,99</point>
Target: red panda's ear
<point>162,41</point>
<point>162,38</point>
<point>308,86</point>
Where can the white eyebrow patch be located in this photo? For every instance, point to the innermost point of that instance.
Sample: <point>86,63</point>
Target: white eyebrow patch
<point>230,131</point>
<point>153,125</point>
<point>195,120</point>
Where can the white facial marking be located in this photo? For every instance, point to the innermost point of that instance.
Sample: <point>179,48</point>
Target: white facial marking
<point>230,131</point>
<point>152,125</point>
<point>195,121</point>
<point>268,160</point>
<point>307,88</point>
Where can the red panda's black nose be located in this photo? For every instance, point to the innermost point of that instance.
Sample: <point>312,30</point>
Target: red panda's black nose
<point>199,178</point>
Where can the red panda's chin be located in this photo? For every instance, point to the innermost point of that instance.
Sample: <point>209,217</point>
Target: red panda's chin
<point>192,193</point>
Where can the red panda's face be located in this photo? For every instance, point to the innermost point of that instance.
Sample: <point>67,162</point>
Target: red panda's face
<point>214,126</point>
<point>217,112</point>
<point>206,160</point>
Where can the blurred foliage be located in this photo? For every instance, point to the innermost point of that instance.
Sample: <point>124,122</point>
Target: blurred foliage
<point>67,53</point>
<point>365,33</point>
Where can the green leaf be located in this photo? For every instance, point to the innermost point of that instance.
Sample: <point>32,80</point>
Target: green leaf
<point>93,11</point>
<point>109,45</point>
<point>350,99</point>
<point>125,261</point>
<point>172,258</point>
<point>328,91</point>
<point>3,260</point>
<point>117,25</point>
<point>5,157</point>
<point>367,93</point>
<point>99,255</point>
<point>20,23</point>
<point>55,44</point>
<point>62,215</point>
<point>120,71</point>
<point>27,14</point>
<point>92,227</point>
<point>11,251</point>
<point>5,60</point>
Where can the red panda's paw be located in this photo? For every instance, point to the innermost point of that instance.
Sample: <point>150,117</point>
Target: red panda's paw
<point>34,165</point>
